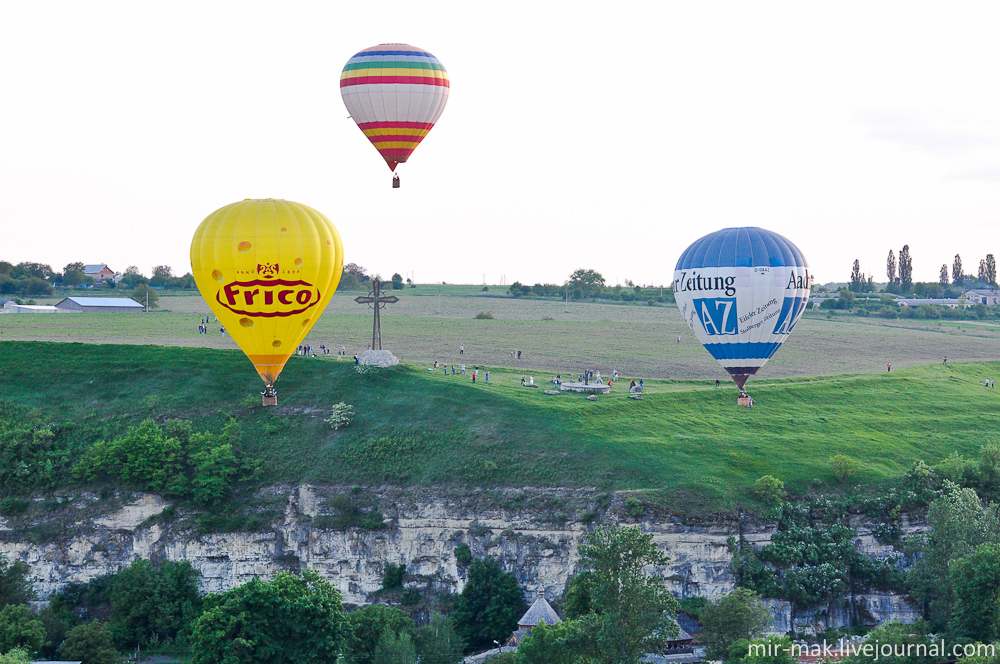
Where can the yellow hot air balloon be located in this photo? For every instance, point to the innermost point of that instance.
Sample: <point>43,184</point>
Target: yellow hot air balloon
<point>267,268</point>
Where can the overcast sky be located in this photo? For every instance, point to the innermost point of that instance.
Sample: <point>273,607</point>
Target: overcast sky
<point>607,136</point>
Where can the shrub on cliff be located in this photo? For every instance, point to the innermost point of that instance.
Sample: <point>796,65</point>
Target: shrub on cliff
<point>171,460</point>
<point>15,582</point>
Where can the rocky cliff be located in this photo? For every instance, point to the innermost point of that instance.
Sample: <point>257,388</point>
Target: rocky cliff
<point>422,532</point>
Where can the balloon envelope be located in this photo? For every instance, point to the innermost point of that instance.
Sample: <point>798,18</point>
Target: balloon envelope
<point>741,291</point>
<point>267,269</point>
<point>395,93</point>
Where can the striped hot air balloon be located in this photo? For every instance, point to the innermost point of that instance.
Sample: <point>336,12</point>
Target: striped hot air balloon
<point>395,93</point>
<point>742,290</point>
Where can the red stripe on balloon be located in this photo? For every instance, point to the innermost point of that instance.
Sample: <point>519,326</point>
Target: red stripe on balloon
<point>372,80</point>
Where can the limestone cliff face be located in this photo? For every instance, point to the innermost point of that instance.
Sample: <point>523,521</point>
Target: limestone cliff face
<point>422,533</point>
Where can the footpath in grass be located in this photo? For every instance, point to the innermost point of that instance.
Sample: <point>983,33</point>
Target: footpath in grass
<point>686,443</point>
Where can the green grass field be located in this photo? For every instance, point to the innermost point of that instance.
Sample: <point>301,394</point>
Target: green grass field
<point>686,443</point>
<point>637,340</point>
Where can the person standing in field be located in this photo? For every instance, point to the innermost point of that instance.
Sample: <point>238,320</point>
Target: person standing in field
<point>461,349</point>
<point>888,367</point>
<point>463,369</point>
<point>678,338</point>
<point>487,375</point>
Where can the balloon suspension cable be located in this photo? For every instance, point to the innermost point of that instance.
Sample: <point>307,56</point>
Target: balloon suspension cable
<point>269,391</point>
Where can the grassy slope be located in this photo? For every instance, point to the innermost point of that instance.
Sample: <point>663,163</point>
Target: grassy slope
<point>686,440</point>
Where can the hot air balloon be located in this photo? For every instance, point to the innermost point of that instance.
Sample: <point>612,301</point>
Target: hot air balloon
<point>396,93</point>
<point>267,269</point>
<point>742,290</point>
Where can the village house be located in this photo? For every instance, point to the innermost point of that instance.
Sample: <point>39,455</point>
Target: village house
<point>99,273</point>
<point>987,296</point>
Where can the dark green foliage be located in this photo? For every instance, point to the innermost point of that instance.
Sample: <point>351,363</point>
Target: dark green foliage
<point>348,514</point>
<point>693,606</point>
<point>15,582</point>
<point>959,523</point>
<point>489,605</point>
<point>34,455</point>
<point>634,507</point>
<point>438,642</point>
<point>150,601</point>
<point>393,648</point>
<point>392,576</point>
<point>20,628</point>
<point>769,490</point>
<point>975,581</point>
<point>91,643</point>
<point>368,624</point>
<point>632,609</point>
<point>896,643</point>
<point>289,620</point>
<point>463,555</point>
<point>171,460</point>
<point>57,619</point>
<point>578,598</point>
<point>556,644</point>
<point>772,649</point>
<point>739,615</point>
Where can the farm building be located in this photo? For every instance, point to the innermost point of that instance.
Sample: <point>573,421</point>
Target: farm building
<point>99,272</point>
<point>916,302</point>
<point>98,304</point>
<point>981,296</point>
<point>12,307</point>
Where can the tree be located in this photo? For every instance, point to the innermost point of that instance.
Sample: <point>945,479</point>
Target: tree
<point>975,581</point>
<point>132,277</point>
<point>16,656</point>
<point>368,624</point>
<point>438,642</point>
<point>890,268</point>
<point>90,643</point>
<point>991,270</point>
<point>772,649</point>
<point>959,523</point>
<point>143,294</point>
<point>632,608</point>
<point>394,648</point>
<point>844,467</point>
<point>397,281</point>
<point>982,271</point>
<point>857,278</point>
<point>741,614</point>
<point>956,271</point>
<point>769,490</point>
<point>589,281</point>
<point>943,278</point>
<point>557,644</point>
<point>905,269</point>
<point>19,628</point>
<point>288,619</point>
<point>895,643</point>
<point>489,606</point>
<point>148,601</point>
<point>16,586</point>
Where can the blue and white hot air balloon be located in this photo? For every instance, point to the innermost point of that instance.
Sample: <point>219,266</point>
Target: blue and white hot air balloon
<point>742,290</point>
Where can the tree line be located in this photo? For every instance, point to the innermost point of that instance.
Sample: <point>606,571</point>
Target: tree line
<point>586,284</point>
<point>899,273</point>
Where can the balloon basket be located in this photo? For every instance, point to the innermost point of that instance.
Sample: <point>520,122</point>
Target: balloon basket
<point>743,399</point>
<point>395,182</point>
<point>269,397</point>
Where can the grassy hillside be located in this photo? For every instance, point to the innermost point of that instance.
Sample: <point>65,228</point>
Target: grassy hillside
<point>686,442</point>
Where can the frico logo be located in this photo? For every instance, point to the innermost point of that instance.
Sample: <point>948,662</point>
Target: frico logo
<point>268,297</point>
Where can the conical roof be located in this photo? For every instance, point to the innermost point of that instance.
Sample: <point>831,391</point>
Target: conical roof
<point>539,611</point>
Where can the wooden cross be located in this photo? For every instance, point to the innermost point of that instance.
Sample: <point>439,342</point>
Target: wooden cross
<point>376,301</point>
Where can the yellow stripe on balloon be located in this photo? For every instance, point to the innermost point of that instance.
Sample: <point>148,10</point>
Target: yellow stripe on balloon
<point>382,131</point>
<point>419,73</point>
<point>395,144</point>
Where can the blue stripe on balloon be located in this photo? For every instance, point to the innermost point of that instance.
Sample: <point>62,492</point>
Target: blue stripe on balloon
<point>741,247</point>
<point>744,351</point>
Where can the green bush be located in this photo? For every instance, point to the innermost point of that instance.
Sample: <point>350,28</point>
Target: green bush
<point>463,555</point>
<point>20,628</point>
<point>769,490</point>
<point>392,576</point>
<point>171,460</point>
<point>483,315</point>
<point>341,416</point>
<point>153,602</point>
<point>90,643</point>
<point>634,507</point>
<point>844,467</point>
